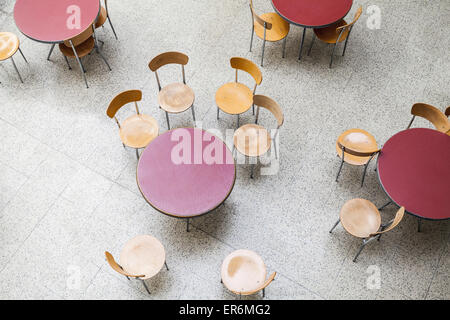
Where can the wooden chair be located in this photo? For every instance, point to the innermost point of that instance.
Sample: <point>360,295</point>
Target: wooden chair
<point>253,140</point>
<point>234,97</point>
<point>138,130</point>
<point>103,16</point>
<point>336,33</point>
<point>361,219</point>
<point>175,97</point>
<point>79,47</point>
<point>356,147</point>
<point>447,111</point>
<point>9,45</point>
<point>268,27</point>
<point>244,273</point>
<point>432,114</point>
<point>141,258</point>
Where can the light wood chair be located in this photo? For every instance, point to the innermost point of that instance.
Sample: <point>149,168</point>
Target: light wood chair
<point>447,111</point>
<point>103,16</point>
<point>138,130</point>
<point>356,147</point>
<point>175,97</point>
<point>362,219</point>
<point>9,45</point>
<point>268,27</point>
<point>79,47</point>
<point>234,97</point>
<point>141,258</point>
<point>432,114</point>
<point>336,33</point>
<point>253,140</point>
<point>244,273</point>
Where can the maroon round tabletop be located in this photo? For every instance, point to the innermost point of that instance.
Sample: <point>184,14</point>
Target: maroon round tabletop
<point>414,170</point>
<point>186,172</point>
<point>312,13</point>
<point>50,20</point>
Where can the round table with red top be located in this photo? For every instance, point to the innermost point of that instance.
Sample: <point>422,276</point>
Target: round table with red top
<point>312,13</point>
<point>51,21</point>
<point>186,172</point>
<point>414,171</point>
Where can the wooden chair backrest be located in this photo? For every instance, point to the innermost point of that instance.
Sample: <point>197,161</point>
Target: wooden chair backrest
<point>447,111</point>
<point>271,105</point>
<point>356,152</point>
<point>82,37</point>
<point>247,66</point>
<point>355,18</point>
<point>263,286</point>
<point>258,19</point>
<point>168,58</point>
<point>122,99</point>
<point>117,268</point>
<point>432,114</point>
<point>398,217</point>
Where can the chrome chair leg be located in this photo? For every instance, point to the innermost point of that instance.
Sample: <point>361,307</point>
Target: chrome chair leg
<point>360,249</point>
<point>410,124</point>
<point>167,118</point>
<point>385,205</point>
<point>51,50</point>
<point>251,39</point>
<point>17,70</point>
<point>252,169</point>
<point>112,28</point>
<point>345,46</point>
<point>301,44</point>
<point>165,263</point>
<point>335,225</point>
<point>332,54</point>
<point>312,43</point>
<point>67,61</point>
<point>217,113</point>
<point>419,223</point>
<point>339,172</point>
<point>284,47</point>
<point>137,154</point>
<point>187,225</point>
<point>364,174</point>
<point>262,57</point>
<point>264,292</point>
<point>145,286</point>
<point>23,56</point>
<point>81,65</point>
<point>193,112</point>
<point>101,55</point>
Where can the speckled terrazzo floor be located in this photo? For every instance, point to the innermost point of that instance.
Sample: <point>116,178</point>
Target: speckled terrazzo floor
<point>68,189</point>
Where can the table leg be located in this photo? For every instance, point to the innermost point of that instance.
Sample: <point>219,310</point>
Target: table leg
<point>419,222</point>
<point>301,44</point>
<point>51,50</point>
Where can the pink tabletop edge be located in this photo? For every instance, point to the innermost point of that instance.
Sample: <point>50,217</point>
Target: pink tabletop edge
<point>178,196</point>
<point>312,14</point>
<point>46,20</point>
<point>412,177</point>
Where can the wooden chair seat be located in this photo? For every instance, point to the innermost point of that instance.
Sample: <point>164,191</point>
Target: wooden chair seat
<point>82,49</point>
<point>176,97</point>
<point>330,34</point>
<point>358,140</point>
<point>252,140</point>
<point>360,218</point>
<point>143,255</point>
<point>243,272</point>
<point>101,18</point>
<point>138,131</point>
<point>280,28</point>
<point>9,44</point>
<point>234,98</point>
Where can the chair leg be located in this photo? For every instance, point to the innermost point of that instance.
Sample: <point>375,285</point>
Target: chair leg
<point>167,118</point>
<point>217,113</point>
<point>237,121</point>
<point>410,124</point>
<point>187,225</point>
<point>275,150</point>
<point>345,46</point>
<point>17,70</point>
<point>23,56</point>
<point>165,263</point>
<point>335,225</point>
<point>262,56</point>
<point>332,54</point>
<point>312,43</point>
<point>264,292</point>
<point>284,47</point>
<point>67,61</point>
<point>385,205</point>
<point>301,44</point>
<point>419,223</point>
<point>51,50</point>
<point>252,170</point>
<point>340,168</point>
<point>253,109</point>
<point>81,65</point>
<point>137,154</point>
<point>112,28</point>
<point>145,286</point>
<point>364,174</point>
<point>251,39</point>
<point>360,249</point>
<point>104,59</point>
<point>193,112</point>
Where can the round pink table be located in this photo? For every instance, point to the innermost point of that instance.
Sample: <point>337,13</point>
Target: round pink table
<point>414,171</point>
<point>312,13</point>
<point>180,175</point>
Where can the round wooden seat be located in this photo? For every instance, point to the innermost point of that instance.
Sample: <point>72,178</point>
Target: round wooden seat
<point>243,272</point>
<point>330,34</point>
<point>9,44</point>
<point>82,49</point>
<point>360,218</point>
<point>138,130</point>
<point>143,255</point>
<point>176,97</point>
<point>252,140</point>
<point>101,18</point>
<point>280,27</point>
<point>358,140</point>
<point>234,98</point>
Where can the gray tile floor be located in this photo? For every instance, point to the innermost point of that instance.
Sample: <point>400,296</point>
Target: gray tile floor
<point>68,189</point>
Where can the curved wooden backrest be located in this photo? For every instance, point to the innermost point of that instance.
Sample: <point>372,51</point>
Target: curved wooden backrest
<point>82,37</point>
<point>247,66</point>
<point>122,99</point>
<point>117,268</point>
<point>168,58</point>
<point>355,18</point>
<point>398,217</point>
<point>356,152</point>
<point>258,19</point>
<point>447,111</point>
<point>432,114</point>
<point>263,286</point>
<point>271,105</point>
